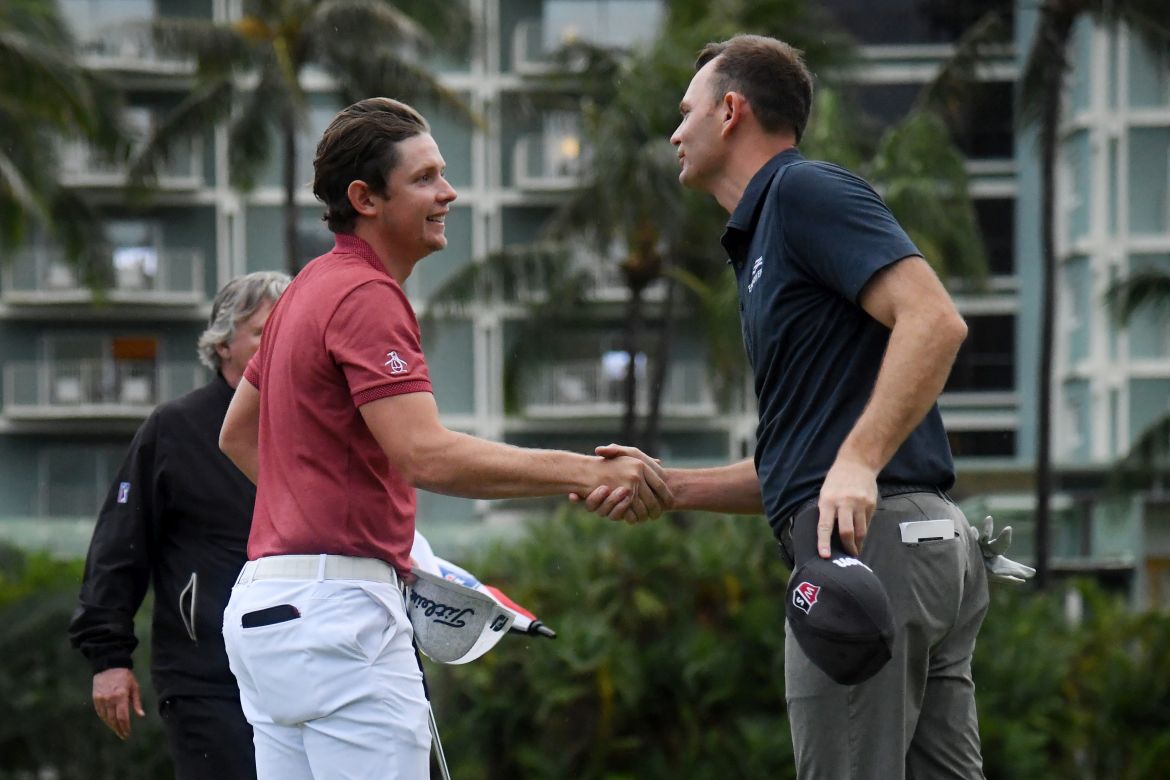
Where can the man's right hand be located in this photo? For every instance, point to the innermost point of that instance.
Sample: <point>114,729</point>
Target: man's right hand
<point>638,493</point>
<point>115,691</point>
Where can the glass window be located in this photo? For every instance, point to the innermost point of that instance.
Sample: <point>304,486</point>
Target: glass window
<point>1149,75</point>
<point>1076,159</point>
<point>982,444</point>
<point>1075,309</point>
<point>997,223</point>
<point>74,480</point>
<point>914,21</point>
<point>1149,328</point>
<point>620,23</point>
<point>987,359</point>
<point>1149,172</point>
<point>985,126</point>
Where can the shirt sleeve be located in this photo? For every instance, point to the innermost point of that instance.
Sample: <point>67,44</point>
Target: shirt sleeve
<point>837,229</point>
<point>118,565</point>
<point>373,337</point>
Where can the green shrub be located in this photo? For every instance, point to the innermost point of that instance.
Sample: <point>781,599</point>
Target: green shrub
<point>669,664</point>
<point>49,727</point>
<point>668,660</point>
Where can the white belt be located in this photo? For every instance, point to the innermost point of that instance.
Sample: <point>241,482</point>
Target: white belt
<point>317,567</point>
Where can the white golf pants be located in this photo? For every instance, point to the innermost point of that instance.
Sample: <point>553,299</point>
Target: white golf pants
<point>334,692</point>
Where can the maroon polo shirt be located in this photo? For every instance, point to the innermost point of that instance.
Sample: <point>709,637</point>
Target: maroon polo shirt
<point>343,334</point>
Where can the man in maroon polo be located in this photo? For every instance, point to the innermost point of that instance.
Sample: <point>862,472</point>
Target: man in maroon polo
<point>336,422</point>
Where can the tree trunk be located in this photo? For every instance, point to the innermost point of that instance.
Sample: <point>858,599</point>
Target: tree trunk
<point>291,242</point>
<point>662,360</point>
<point>630,329</point>
<point>1057,30</point>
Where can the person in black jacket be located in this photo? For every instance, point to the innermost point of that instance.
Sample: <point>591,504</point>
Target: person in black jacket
<point>177,517</point>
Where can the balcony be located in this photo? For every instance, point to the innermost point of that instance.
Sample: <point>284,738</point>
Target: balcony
<point>129,47</point>
<point>82,167</point>
<point>591,388</point>
<point>94,388</point>
<point>171,276</point>
<point>543,162</point>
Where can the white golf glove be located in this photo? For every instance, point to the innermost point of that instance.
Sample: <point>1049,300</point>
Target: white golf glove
<point>999,568</point>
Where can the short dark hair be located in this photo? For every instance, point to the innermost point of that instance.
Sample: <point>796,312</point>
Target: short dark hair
<point>772,76</point>
<point>361,143</point>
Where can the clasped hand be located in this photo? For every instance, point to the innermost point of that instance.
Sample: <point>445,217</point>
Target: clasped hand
<point>631,486</point>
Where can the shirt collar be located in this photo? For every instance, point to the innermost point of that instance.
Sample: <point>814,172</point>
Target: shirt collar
<point>747,211</point>
<point>349,244</point>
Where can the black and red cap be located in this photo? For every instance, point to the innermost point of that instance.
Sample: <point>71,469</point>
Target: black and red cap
<point>837,608</point>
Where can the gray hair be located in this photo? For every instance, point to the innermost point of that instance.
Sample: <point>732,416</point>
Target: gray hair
<point>237,301</point>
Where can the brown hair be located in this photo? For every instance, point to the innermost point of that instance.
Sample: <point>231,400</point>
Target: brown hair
<point>769,73</point>
<point>361,143</point>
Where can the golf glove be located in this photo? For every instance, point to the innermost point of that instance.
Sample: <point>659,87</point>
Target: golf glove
<point>999,568</point>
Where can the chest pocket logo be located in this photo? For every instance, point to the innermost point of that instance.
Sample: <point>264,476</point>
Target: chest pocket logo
<point>757,272</point>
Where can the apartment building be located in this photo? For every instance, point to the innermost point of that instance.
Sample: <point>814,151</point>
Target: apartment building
<point>80,375</point>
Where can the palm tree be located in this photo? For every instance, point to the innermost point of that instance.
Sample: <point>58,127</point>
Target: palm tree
<point>1040,107</point>
<point>369,47</point>
<point>46,96</point>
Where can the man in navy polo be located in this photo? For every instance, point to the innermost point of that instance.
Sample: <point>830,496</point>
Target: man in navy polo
<point>850,336</point>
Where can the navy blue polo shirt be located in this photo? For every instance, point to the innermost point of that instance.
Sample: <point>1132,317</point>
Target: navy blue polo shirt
<point>804,240</point>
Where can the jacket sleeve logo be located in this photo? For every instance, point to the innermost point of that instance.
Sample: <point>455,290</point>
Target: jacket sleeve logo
<point>805,595</point>
<point>397,364</point>
<point>123,492</point>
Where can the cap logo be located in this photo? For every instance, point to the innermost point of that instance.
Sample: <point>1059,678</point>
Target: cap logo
<point>845,563</point>
<point>805,595</point>
<point>499,623</point>
<point>441,613</point>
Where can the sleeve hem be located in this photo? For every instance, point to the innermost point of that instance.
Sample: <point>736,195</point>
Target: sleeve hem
<point>385,391</point>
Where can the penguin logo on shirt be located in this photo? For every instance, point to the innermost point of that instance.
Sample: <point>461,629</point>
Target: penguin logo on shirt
<point>397,364</point>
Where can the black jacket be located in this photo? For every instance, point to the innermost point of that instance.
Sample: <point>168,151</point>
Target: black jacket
<point>177,516</point>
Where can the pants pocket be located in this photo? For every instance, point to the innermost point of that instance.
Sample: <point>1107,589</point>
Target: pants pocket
<point>306,668</point>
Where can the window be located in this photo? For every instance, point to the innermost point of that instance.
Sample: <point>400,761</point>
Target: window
<point>87,370</point>
<point>984,128</point>
<point>987,359</point>
<point>914,21</point>
<point>75,479</point>
<point>997,224</point>
<point>982,444</point>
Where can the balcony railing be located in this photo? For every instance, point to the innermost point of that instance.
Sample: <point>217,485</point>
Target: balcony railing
<point>539,162</point>
<point>129,47</point>
<point>82,167</point>
<point>578,388</point>
<point>53,389</point>
<point>170,276</point>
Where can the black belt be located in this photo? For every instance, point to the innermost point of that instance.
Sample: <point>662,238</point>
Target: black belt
<point>890,489</point>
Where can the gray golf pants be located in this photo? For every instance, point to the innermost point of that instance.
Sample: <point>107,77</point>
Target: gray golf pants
<point>916,717</point>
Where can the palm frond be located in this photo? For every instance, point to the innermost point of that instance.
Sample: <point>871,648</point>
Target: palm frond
<point>382,71</point>
<point>205,106</point>
<point>363,24</point>
<point>1148,287</point>
<point>252,132</point>
<point>960,75</point>
<point>924,181</point>
<point>216,49</point>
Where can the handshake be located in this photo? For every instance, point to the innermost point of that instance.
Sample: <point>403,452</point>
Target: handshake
<point>630,486</point>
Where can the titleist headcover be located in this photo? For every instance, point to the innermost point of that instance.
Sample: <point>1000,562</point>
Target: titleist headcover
<point>837,608</point>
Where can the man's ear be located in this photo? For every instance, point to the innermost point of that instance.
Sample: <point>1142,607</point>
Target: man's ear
<point>732,111</point>
<point>361,197</point>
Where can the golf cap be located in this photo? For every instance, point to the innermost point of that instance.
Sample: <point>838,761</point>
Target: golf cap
<point>454,624</point>
<point>837,608</point>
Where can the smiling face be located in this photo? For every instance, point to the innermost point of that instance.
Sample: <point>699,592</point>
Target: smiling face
<point>411,214</point>
<point>698,137</point>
